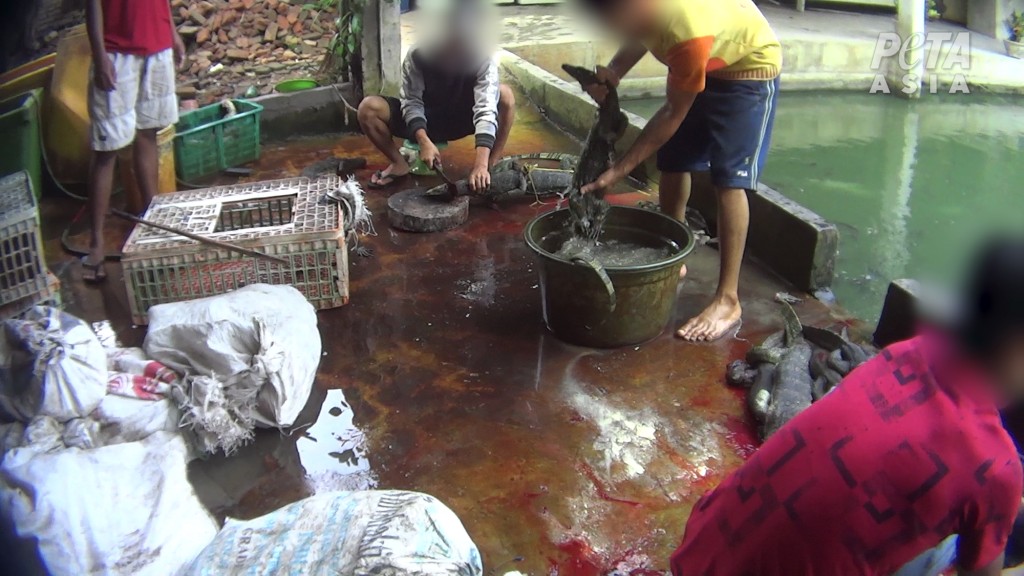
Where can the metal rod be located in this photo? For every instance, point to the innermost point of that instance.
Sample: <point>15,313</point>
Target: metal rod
<point>197,237</point>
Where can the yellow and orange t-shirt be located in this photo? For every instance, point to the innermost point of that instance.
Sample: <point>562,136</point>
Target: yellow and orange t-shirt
<point>720,38</point>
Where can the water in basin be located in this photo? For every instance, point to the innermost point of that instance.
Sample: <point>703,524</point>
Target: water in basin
<point>618,247</point>
<point>614,253</point>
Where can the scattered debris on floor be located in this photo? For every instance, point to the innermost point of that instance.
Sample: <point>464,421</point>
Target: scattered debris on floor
<point>241,44</point>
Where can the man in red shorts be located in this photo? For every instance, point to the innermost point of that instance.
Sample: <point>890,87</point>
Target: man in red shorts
<point>907,451</point>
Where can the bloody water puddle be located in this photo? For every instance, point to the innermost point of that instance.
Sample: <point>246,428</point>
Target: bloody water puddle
<point>577,461</point>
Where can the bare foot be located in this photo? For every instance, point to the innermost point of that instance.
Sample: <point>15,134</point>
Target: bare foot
<point>682,272</point>
<point>722,314</point>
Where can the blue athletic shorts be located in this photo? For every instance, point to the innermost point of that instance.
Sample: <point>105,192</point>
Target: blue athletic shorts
<point>727,131</point>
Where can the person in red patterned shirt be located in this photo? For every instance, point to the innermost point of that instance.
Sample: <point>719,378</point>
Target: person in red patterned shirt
<point>907,451</point>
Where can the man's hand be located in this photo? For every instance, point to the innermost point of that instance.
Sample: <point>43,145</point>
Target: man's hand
<point>605,76</point>
<point>104,75</point>
<point>179,51</point>
<point>429,153</point>
<point>604,182</point>
<point>479,178</point>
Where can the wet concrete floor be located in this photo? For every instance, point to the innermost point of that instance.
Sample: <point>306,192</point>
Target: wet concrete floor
<point>440,377</point>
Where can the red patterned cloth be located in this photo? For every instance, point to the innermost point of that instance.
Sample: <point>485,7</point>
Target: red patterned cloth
<point>131,374</point>
<point>140,27</point>
<point>908,450</point>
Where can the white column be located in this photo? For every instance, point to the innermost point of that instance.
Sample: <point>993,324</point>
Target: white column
<point>910,23</point>
<point>382,47</point>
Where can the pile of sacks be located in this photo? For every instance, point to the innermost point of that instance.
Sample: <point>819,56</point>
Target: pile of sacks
<point>215,367</point>
<point>92,467</point>
<point>95,445</point>
<point>94,442</point>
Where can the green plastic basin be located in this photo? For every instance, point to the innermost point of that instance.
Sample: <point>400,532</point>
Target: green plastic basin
<point>296,85</point>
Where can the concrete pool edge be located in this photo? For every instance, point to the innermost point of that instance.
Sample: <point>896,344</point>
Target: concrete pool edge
<point>815,62</point>
<point>312,112</point>
<point>791,240</point>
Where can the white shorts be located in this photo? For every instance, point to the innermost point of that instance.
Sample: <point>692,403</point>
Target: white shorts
<point>143,99</point>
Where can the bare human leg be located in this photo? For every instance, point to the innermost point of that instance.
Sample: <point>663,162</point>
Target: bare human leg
<point>674,193</point>
<point>724,311</point>
<point>506,118</point>
<point>101,178</point>
<point>374,116</point>
<point>146,156</point>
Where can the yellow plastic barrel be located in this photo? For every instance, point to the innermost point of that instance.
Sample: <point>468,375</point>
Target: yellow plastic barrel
<point>165,170</point>
<point>165,144</point>
<point>66,111</point>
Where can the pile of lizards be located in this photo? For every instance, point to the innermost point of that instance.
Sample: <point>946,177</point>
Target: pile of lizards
<point>793,368</point>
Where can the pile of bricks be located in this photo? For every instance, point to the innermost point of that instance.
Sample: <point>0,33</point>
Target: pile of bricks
<point>237,44</point>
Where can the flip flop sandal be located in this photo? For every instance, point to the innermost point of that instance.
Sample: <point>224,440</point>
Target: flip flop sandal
<point>383,181</point>
<point>98,272</point>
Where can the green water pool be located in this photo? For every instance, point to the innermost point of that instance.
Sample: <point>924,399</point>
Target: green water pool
<point>912,186</point>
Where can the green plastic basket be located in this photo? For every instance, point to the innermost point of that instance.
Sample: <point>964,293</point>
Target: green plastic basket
<point>208,142</point>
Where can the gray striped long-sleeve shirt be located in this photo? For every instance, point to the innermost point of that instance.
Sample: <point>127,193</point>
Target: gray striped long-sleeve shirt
<point>428,90</point>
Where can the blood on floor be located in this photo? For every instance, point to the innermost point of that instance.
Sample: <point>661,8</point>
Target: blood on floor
<point>579,461</point>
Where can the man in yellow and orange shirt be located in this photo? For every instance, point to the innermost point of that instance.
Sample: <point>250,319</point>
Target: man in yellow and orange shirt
<point>723,64</point>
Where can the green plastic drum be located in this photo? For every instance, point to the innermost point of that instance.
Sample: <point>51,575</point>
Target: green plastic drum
<point>577,305</point>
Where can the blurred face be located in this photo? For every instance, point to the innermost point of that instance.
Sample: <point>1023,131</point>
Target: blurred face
<point>632,18</point>
<point>455,36</point>
<point>1007,366</point>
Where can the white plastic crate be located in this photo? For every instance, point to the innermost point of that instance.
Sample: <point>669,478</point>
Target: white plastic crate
<point>287,218</point>
<point>48,296</point>
<point>22,268</point>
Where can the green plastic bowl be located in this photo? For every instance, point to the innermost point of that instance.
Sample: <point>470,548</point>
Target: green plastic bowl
<point>296,85</point>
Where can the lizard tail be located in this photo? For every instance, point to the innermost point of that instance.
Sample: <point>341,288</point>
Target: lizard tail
<point>593,264</point>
